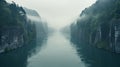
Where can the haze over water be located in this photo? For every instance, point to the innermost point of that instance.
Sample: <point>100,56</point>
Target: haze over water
<point>57,49</point>
<point>58,13</point>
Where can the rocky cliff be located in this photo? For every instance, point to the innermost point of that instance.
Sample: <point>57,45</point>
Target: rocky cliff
<point>41,26</point>
<point>99,25</point>
<point>15,28</point>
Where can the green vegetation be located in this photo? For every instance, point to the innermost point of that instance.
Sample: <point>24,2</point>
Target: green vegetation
<point>99,24</point>
<point>14,25</point>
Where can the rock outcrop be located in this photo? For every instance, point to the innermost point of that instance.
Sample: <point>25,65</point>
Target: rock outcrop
<point>16,29</point>
<point>99,25</point>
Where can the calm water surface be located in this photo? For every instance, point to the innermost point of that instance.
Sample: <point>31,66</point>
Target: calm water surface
<point>58,51</point>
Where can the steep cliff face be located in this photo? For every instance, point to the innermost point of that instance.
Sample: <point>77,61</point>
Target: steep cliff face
<point>41,26</point>
<point>11,38</point>
<point>15,29</point>
<point>99,25</point>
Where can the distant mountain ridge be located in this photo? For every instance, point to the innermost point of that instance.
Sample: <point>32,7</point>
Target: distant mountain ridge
<point>31,12</point>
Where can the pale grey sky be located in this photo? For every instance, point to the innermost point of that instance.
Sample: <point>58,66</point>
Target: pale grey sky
<point>58,13</point>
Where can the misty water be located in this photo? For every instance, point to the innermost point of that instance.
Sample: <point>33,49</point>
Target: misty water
<point>58,51</point>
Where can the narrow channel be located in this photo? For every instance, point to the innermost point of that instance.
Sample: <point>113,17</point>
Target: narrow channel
<point>56,52</point>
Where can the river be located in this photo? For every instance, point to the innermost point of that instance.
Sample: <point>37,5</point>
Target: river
<point>58,51</point>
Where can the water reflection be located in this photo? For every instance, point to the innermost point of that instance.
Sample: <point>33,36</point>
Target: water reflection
<point>18,57</point>
<point>95,57</point>
<point>58,52</point>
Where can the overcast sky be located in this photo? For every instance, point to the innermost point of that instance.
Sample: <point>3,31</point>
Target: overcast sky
<point>58,13</point>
